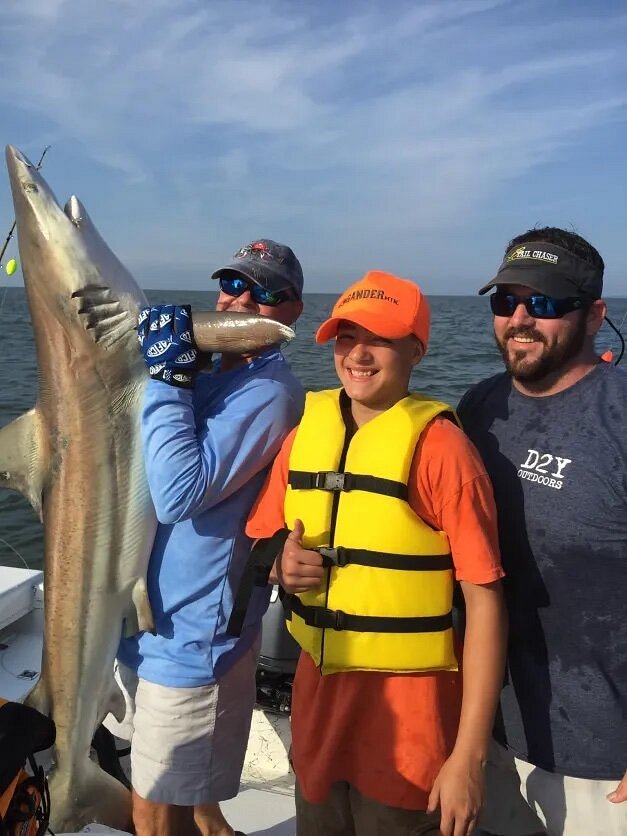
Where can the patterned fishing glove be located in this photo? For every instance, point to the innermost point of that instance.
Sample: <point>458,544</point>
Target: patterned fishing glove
<point>167,342</point>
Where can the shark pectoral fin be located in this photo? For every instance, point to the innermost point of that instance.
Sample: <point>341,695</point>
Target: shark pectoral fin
<point>121,703</point>
<point>21,465</point>
<point>139,616</point>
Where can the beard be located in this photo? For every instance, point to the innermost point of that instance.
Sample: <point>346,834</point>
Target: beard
<point>552,359</point>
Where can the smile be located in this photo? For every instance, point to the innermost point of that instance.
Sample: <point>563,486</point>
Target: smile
<point>361,374</point>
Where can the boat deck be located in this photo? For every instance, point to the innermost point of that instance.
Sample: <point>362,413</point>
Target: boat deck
<point>255,811</point>
<point>265,804</point>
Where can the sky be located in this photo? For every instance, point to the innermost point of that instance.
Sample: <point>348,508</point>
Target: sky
<point>413,137</point>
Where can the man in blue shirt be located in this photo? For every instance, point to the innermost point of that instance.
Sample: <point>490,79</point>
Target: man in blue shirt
<point>551,431</point>
<point>208,441</point>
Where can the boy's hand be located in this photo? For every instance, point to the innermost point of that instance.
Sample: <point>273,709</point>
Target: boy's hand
<point>458,792</point>
<point>297,569</point>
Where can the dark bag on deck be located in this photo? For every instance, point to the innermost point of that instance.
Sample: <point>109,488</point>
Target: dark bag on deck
<point>24,798</point>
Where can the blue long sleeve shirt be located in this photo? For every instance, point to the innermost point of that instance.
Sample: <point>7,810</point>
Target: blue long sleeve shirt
<point>207,451</point>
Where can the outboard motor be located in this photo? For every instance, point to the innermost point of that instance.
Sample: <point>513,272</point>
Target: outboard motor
<point>277,660</point>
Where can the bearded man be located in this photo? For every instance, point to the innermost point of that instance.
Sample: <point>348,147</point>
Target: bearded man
<point>551,432</point>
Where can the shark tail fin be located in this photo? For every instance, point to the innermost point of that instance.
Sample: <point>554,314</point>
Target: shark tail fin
<point>90,796</point>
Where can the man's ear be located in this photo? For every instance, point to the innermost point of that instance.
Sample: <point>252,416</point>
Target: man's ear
<point>298,309</point>
<point>595,316</point>
<point>287,312</point>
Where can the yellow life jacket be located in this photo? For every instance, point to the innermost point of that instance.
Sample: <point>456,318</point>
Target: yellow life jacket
<point>385,602</point>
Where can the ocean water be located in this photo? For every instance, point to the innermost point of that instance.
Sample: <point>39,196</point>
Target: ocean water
<point>461,352</point>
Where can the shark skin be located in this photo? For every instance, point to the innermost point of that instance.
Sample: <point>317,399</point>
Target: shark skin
<point>77,457</point>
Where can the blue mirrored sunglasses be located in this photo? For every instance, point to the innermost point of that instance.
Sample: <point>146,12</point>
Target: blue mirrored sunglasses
<point>537,305</point>
<point>235,286</point>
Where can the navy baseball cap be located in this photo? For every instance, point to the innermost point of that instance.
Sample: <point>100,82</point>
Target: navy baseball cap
<point>550,270</point>
<point>270,265</point>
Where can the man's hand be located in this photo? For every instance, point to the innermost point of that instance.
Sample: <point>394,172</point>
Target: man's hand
<point>297,569</point>
<point>165,335</point>
<point>620,793</point>
<point>458,791</point>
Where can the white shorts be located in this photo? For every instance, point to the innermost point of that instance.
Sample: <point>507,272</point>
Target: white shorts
<point>522,799</point>
<point>188,744</point>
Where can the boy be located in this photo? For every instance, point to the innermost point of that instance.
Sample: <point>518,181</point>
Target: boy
<point>386,502</point>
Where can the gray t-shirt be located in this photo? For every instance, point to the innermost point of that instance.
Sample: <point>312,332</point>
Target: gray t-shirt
<point>559,469</point>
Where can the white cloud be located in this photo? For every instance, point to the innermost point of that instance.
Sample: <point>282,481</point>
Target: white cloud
<point>336,125</point>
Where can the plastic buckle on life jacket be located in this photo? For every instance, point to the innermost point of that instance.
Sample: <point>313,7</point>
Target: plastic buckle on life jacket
<point>329,480</point>
<point>334,557</point>
<point>339,620</point>
<point>324,619</point>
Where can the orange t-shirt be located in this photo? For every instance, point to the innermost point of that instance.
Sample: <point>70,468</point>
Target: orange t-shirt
<point>389,734</point>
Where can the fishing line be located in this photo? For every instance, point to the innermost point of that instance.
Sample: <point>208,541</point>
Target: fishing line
<point>12,230</point>
<point>620,337</point>
<point>15,551</point>
<point>8,638</point>
<point>6,647</point>
<point>2,301</point>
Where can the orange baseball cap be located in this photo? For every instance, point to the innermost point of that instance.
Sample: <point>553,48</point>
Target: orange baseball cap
<point>384,304</point>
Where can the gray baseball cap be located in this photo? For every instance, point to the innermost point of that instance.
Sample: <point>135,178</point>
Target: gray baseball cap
<point>268,264</point>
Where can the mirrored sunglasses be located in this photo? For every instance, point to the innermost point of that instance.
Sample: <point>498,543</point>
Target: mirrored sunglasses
<point>236,286</point>
<point>537,305</point>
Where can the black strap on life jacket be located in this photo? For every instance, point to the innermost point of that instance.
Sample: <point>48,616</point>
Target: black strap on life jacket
<point>341,556</point>
<point>333,480</point>
<point>256,573</point>
<point>327,619</point>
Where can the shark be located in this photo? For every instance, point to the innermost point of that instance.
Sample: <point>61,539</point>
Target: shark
<point>77,457</point>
